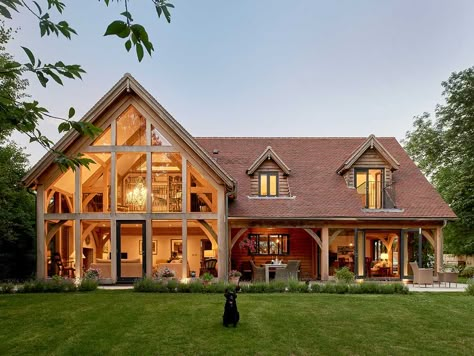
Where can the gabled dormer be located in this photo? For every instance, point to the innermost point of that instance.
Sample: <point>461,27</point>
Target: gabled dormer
<point>369,170</point>
<point>269,176</point>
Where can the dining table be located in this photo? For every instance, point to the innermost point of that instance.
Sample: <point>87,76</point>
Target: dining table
<point>272,265</point>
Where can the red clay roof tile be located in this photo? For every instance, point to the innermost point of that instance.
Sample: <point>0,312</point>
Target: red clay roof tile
<point>318,190</point>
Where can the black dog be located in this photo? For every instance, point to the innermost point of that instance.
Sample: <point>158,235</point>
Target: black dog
<point>231,314</point>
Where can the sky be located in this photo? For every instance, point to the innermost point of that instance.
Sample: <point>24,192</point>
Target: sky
<point>264,67</point>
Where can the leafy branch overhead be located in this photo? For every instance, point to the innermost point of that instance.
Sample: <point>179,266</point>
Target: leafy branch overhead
<point>24,116</point>
<point>135,34</point>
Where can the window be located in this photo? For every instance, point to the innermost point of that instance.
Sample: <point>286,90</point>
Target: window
<point>274,244</point>
<point>268,184</point>
<point>369,185</point>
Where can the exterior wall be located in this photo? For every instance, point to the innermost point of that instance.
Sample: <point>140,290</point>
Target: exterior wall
<point>302,248</point>
<point>270,166</point>
<point>370,159</point>
<point>55,184</point>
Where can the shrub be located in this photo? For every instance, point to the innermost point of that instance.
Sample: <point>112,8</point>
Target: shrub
<point>7,288</point>
<point>207,277</point>
<point>470,288</point>
<point>295,286</point>
<point>467,272</point>
<point>145,285</point>
<point>344,275</point>
<point>57,284</point>
<point>172,285</point>
<point>315,288</point>
<point>196,287</point>
<point>88,284</point>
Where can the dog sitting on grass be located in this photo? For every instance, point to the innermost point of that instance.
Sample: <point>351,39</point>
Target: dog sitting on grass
<point>231,314</point>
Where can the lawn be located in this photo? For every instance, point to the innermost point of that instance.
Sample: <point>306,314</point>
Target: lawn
<point>125,322</point>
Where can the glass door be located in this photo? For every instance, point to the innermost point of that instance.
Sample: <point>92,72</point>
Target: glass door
<point>131,248</point>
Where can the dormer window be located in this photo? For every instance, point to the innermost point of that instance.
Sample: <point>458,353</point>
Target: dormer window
<point>369,185</point>
<point>268,184</point>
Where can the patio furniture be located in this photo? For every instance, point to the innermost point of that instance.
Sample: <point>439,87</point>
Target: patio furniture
<point>273,266</point>
<point>421,275</point>
<point>246,270</point>
<point>258,273</point>
<point>282,274</point>
<point>209,266</point>
<point>448,277</point>
<point>293,269</point>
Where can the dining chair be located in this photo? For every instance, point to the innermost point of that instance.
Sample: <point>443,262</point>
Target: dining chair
<point>258,273</point>
<point>293,267</point>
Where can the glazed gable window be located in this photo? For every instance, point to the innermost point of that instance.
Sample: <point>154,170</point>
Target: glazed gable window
<point>268,184</point>
<point>369,185</point>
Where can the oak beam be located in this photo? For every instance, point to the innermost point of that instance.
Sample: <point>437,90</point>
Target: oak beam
<point>325,254</point>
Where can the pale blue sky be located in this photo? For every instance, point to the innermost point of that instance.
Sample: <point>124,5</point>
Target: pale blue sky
<point>267,67</point>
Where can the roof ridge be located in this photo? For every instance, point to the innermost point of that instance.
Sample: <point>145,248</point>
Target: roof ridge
<point>291,137</point>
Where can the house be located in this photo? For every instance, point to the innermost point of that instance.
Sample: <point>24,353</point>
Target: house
<point>156,197</point>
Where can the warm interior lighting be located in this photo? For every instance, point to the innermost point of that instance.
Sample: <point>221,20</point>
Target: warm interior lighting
<point>384,256</point>
<point>209,253</point>
<point>137,195</point>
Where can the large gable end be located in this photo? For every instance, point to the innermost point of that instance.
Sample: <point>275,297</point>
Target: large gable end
<point>127,85</point>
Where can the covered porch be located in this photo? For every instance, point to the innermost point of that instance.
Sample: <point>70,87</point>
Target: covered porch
<point>371,250</point>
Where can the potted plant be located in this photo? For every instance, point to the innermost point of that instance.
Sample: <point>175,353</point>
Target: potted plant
<point>207,278</point>
<point>234,276</point>
<point>163,273</point>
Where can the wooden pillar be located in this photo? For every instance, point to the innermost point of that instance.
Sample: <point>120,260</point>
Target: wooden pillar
<point>148,252</point>
<point>439,248</point>
<point>184,220</point>
<point>325,254</point>
<point>113,250</point>
<point>77,222</point>
<point>223,249</point>
<point>113,209</point>
<point>41,263</point>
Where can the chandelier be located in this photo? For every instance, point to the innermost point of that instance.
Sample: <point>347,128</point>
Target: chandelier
<point>137,195</point>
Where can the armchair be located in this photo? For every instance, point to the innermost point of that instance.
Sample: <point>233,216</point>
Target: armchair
<point>421,275</point>
<point>258,273</point>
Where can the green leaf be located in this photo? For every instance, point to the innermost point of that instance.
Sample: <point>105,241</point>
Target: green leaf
<point>128,45</point>
<point>71,113</point>
<point>64,126</point>
<point>4,11</point>
<point>139,48</point>
<point>30,55</point>
<point>116,27</point>
<point>128,15</point>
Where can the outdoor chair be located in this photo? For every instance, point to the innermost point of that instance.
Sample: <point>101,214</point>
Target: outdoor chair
<point>60,269</point>
<point>209,266</point>
<point>246,270</point>
<point>293,267</point>
<point>282,274</point>
<point>258,273</point>
<point>421,275</point>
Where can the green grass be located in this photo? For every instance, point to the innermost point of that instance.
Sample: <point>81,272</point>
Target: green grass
<point>125,322</point>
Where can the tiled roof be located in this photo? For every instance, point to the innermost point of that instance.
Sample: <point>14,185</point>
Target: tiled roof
<point>318,190</point>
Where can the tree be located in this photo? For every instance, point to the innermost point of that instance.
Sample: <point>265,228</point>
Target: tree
<point>17,216</point>
<point>443,148</point>
<point>24,116</point>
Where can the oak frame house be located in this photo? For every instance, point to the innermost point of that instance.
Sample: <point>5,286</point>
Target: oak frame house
<point>158,197</point>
